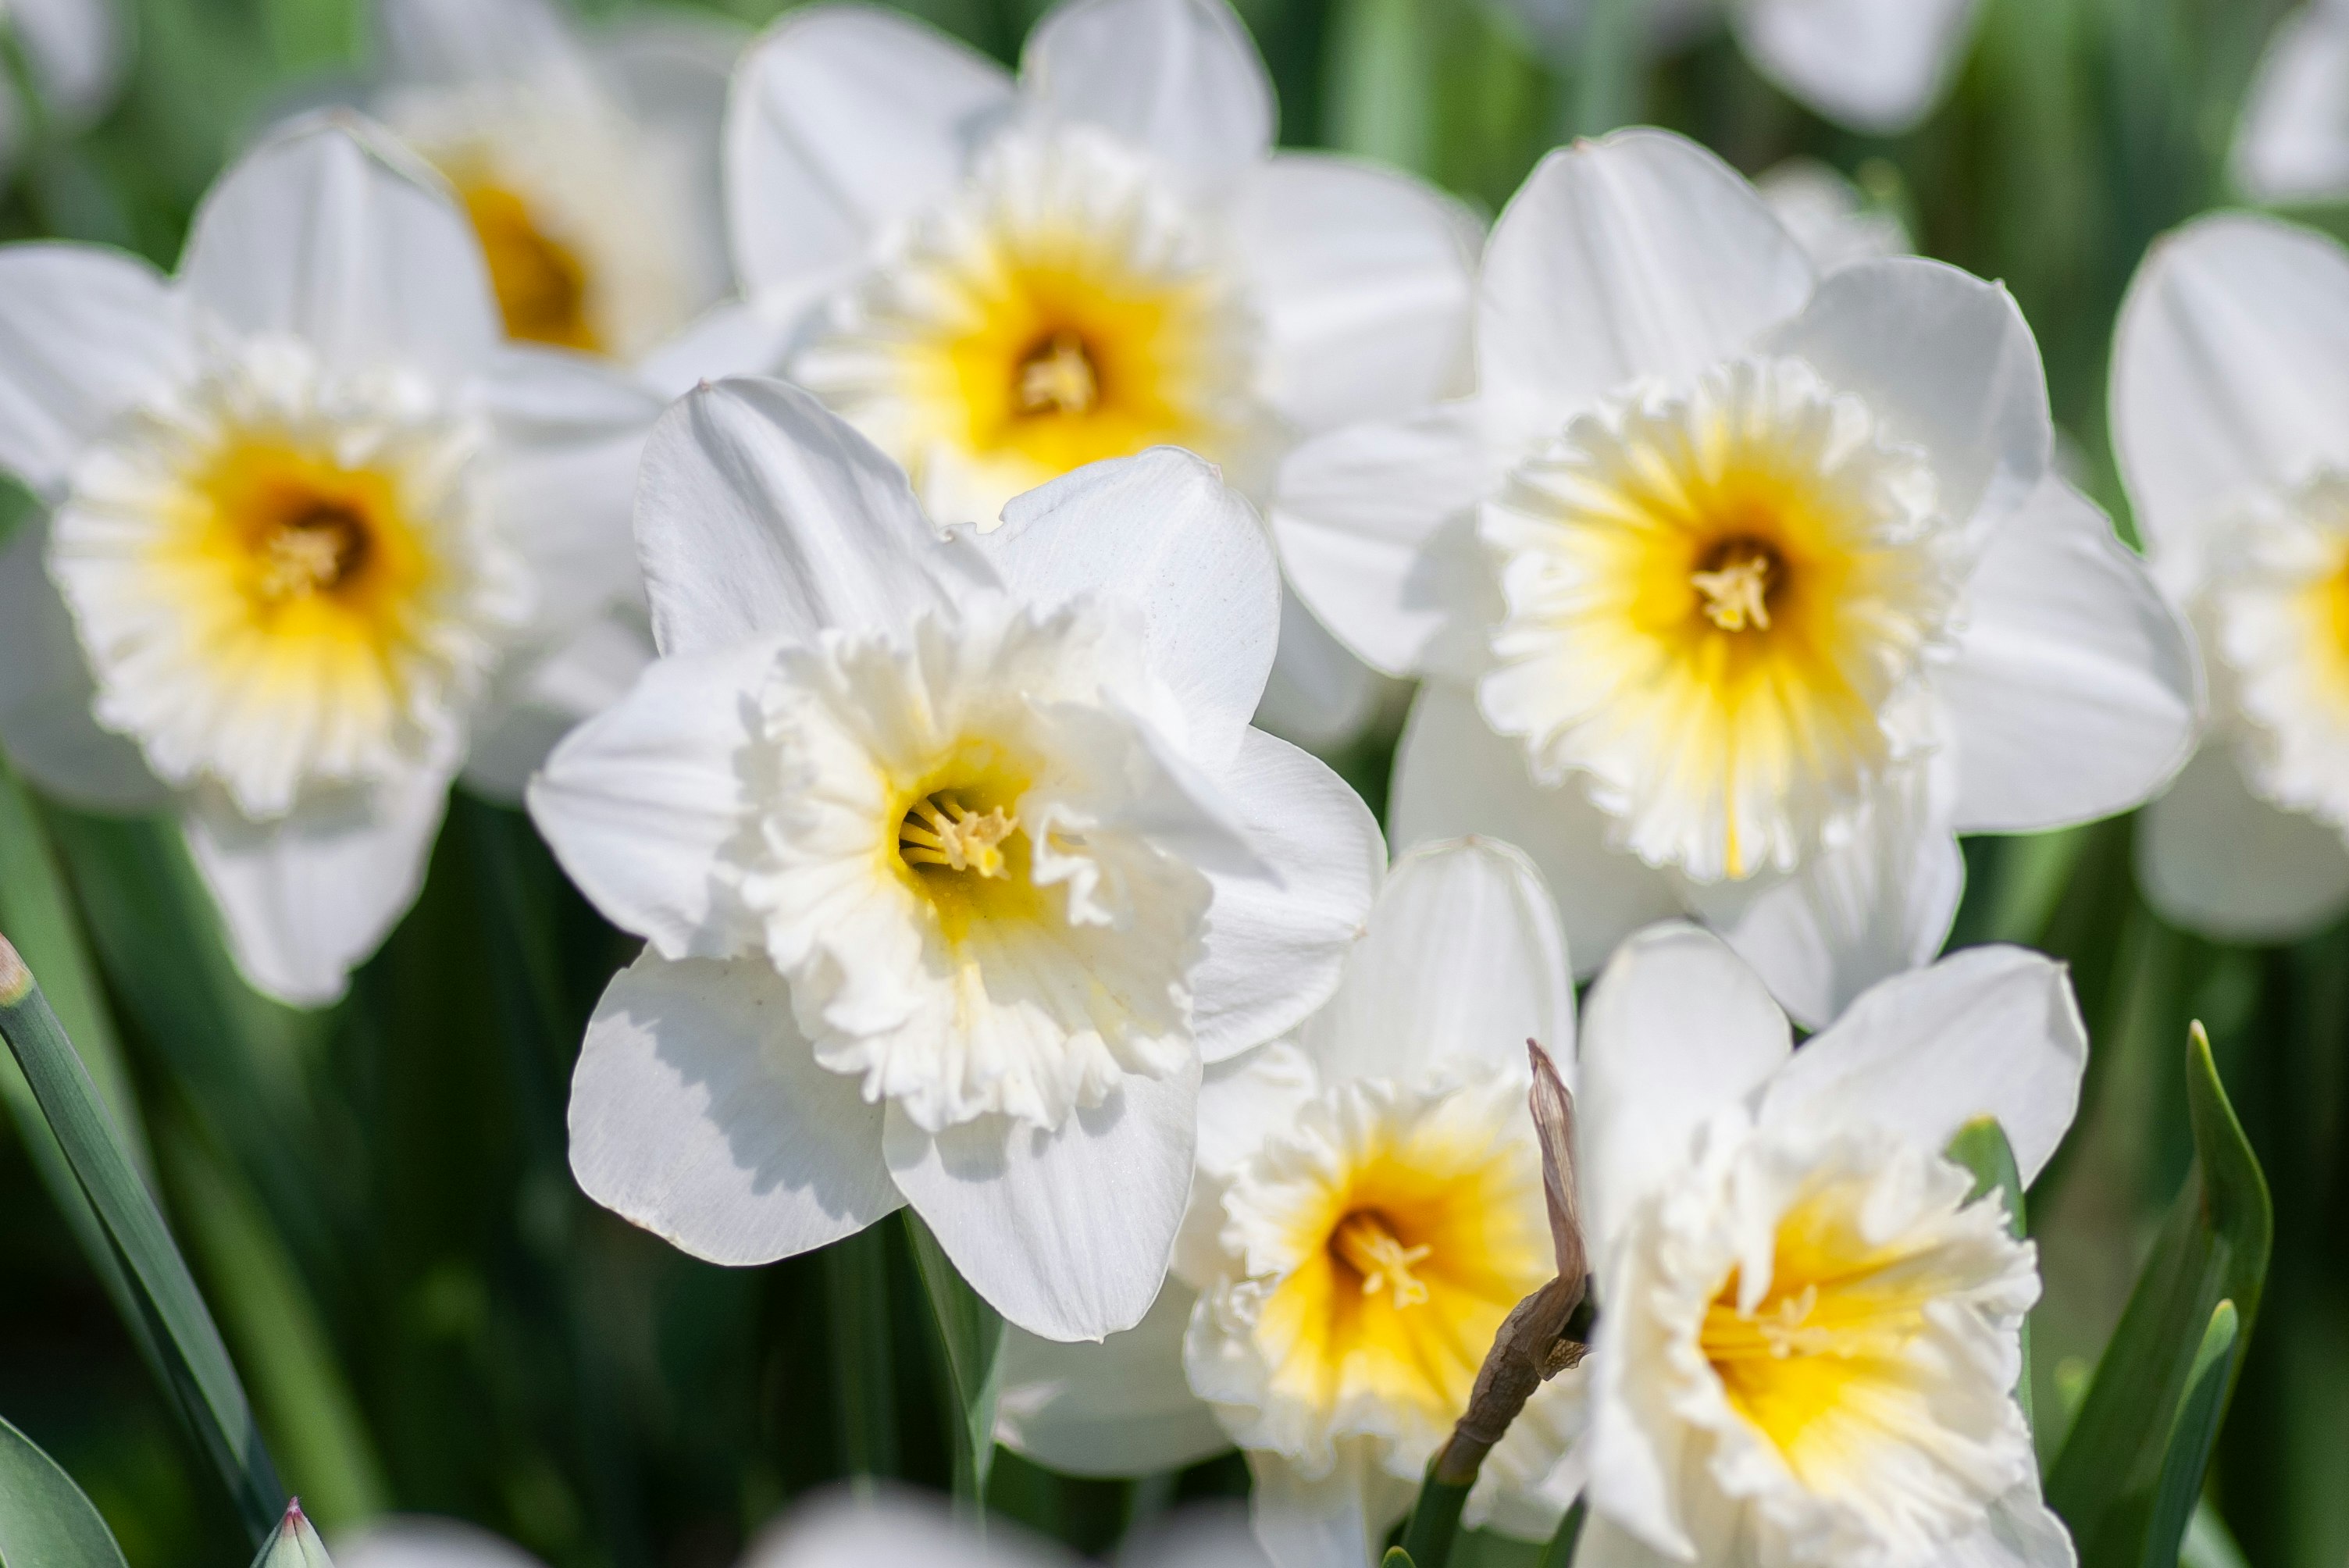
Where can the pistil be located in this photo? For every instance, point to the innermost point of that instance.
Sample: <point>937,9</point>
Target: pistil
<point>940,830</point>
<point>1058,378</point>
<point>1372,1251</point>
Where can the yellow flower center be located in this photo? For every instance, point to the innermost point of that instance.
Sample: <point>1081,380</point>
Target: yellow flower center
<point>1735,592</point>
<point>1058,378</point>
<point>961,844</point>
<point>542,285</point>
<point>940,830</point>
<point>1825,1355</point>
<point>1364,1243</point>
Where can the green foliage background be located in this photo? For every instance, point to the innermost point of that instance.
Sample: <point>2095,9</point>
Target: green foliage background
<point>430,1316</point>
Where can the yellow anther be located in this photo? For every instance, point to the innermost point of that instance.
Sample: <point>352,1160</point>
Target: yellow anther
<point>311,553</point>
<point>1787,1329</point>
<point>1057,378</point>
<point>1737,595</point>
<point>1372,1250</point>
<point>940,830</point>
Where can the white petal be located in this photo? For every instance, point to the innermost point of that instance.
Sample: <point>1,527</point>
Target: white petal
<point>570,432</point>
<point>843,120</point>
<point>732,338</point>
<point>1318,695</point>
<point>1826,212</point>
<point>698,1111</point>
<point>456,42</point>
<point>1066,1233</point>
<point>1246,1099</point>
<point>1454,776</point>
<point>758,511</point>
<point>1638,254</point>
<point>2294,144</point>
<point>1462,961</point>
<point>1377,530</point>
<point>539,699</point>
<point>1213,1535</point>
<point>1852,915</point>
<point>1870,65</point>
<point>45,692</point>
<point>1121,1408</point>
<point>1944,361</point>
<point>329,230</point>
<point>895,1530</point>
<point>2231,373</point>
<point>640,803</point>
<point>1162,532</point>
<point>1364,278</point>
<point>2077,692</point>
<point>1275,950</point>
<point>1337,1520</point>
<point>2214,858</point>
<point>1676,1027</point>
<point>1991,1031</point>
<point>1178,77</point>
<point>421,1541</point>
<point>673,67</point>
<point>2020,1532</point>
<point>75,50</point>
<point>306,900</point>
<point>85,333</point>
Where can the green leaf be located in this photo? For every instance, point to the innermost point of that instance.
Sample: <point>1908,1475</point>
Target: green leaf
<point>202,1382</point>
<point>1981,1146</point>
<point>1559,1552</point>
<point>971,1335</point>
<point>45,1520</point>
<point>2111,1478</point>
<point>856,1314</point>
<point>1434,1519</point>
<point>2193,1435</point>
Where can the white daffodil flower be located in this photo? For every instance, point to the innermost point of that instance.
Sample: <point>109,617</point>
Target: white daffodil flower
<point>895,1529</point>
<point>1808,1339</point>
<point>2226,392</point>
<point>2293,142</point>
<point>75,53</point>
<point>998,281</point>
<point>1875,66</point>
<point>957,859</point>
<point>1369,1207</point>
<point>1827,215</point>
<point>587,163</point>
<point>319,539</point>
<point>1738,590</point>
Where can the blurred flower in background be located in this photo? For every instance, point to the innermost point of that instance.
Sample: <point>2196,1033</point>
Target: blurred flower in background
<point>1828,215</point>
<point>2293,142</point>
<point>998,279</point>
<point>2231,417</point>
<point>1731,583</point>
<point>1367,1209</point>
<point>310,517</point>
<point>1810,1336</point>
<point>74,54</point>
<point>587,160</point>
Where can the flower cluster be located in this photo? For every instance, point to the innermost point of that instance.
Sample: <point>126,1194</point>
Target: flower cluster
<point>899,525</point>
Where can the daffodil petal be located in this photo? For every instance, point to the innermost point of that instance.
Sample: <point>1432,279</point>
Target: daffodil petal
<point>2230,373</point>
<point>1066,1233</point>
<point>1945,361</point>
<point>1120,1408</point>
<point>759,512</point>
<point>843,120</point>
<point>2076,691</point>
<point>1275,948</point>
<point>45,691</point>
<point>698,1111</point>
<point>2293,143</point>
<point>85,333</point>
<point>640,803</point>
<point>1454,776</point>
<point>1677,1027</point>
<point>332,233</point>
<point>1641,254</point>
<point>1179,78</point>
<point>1460,960</point>
<point>538,698</point>
<point>2215,858</point>
<point>1991,1031</point>
<point>305,898</point>
<point>1203,576</point>
<point>1871,67</point>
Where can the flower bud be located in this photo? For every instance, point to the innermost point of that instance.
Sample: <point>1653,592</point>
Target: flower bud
<point>295,1544</point>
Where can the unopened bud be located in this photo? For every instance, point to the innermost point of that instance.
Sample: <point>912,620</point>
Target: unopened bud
<point>295,1543</point>
<point>1553,1108</point>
